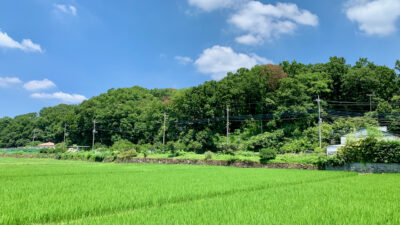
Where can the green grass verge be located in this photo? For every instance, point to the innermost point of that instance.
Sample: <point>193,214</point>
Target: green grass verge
<point>309,159</point>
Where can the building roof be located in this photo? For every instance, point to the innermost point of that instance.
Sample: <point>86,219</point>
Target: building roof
<point>48,144</point>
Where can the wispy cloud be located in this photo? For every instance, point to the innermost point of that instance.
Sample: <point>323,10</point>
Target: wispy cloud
<point>36,85</point>
<point>61,96</point>
<point>25,45</point>
<point>67,9</point>
<point>183,60</point>
<point>265,21</point>
<point>374,17</point>
<point>210,5</point>
<point>6,81</point>
<point>217,61</point>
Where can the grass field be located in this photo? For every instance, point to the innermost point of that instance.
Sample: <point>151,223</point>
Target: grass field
<point>38,191</point>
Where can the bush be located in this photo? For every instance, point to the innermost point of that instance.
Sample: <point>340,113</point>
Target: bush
<point>244,153</point>
<point>100,147</point>
<point>267,154</point>
<point>127,155</point>
<point>265,140</point>
<point>177,153</point>
<point>159,148</point>
<point>123,145</point>
<point>98,156</point>
<point>232,160</point>
<point>61,147</point>
<point>370,150</point>
<point>33,144</point>
<point>195,146</point>
<point>208,155</point>
<point>332,160</point>
<point>228,149</point>
<point>179,146</point>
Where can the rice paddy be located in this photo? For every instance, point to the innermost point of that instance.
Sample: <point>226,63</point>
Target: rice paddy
<point>44,191</point>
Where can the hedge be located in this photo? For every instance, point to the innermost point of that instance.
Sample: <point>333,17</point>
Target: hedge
<point>371,150</point>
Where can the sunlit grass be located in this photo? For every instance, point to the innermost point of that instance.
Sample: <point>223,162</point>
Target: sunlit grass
<point>35,191</point>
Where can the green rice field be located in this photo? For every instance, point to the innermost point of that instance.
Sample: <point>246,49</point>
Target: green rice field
<point>45,191</point>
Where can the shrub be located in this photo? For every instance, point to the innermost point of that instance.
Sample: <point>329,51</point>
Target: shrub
<point>244,153</point>
<point>194,146</point>
<point>177,153</point>
<point>159,148</point>
<point>208,155</point>
<point>61,147</point>
<point>44,150</point>
<point>98,156</point>
<point>265,140</point>
<point>123,145</point>
<point>179,146</point>
<point>267,154</point>
<point>228,149</point>
<point>100,147</point>
<point>33,144</point>
<point>332,160</point>
<point>370,150</point>
<point>232,160</point>
<point>127,155</point>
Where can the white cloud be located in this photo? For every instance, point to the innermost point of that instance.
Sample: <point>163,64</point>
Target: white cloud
<point>36,85</point>
<point>183,60</point>
<point>219,60</point>
<point>67,9</point>
<point>26,45</point>
<point>249,39</point>
<point>6,81</point>
<point>374,17</point>
<point>265,21</point>
<point>61,96</point>
<point>209,5</point>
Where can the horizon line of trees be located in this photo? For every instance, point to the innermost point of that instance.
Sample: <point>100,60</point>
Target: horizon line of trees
<point>280,96</point>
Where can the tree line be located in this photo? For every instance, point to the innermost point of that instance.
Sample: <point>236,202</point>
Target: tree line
<point>263,99</point>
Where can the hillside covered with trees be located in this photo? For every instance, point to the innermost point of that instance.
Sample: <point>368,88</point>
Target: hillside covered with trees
<point>268,103</point>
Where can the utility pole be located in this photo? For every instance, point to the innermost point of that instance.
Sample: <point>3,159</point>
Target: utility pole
<point>65,131</point>
<point>319,121</point>
<point>227,126</point>
<point>165,121</point>
<point>370,101</point>
<point>94,133</point>
<point>34,135</point>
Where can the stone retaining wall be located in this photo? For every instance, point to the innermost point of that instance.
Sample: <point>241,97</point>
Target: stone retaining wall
<point>368,168</point>
<point>240,164</point>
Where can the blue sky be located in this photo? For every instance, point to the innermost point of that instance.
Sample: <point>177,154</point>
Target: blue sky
<point>65,51</point>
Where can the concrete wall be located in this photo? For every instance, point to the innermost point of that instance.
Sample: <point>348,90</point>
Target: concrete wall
<point>368,168</point>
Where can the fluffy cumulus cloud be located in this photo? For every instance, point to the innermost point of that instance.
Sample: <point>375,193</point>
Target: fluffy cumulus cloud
<point>219,60</point>
<point>25,45</point>
<point>67,9</point>
<point>262,22</point>
<point>61,96</point>
<point>36,85</point>
<point>374,17</point>
<point>183,60</point>
<point>7,81</point>
<point>209,5</point>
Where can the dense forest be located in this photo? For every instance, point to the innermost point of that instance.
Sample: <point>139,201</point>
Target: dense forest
<point>269,102</point>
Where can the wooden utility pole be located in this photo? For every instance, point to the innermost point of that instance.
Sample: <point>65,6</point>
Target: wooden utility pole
<point>164,127</point>
<point>65,131</point>
<point>227,126</point>
<point>34,135</point>
<point>94,133</point>
<point>370,101</point>
<point>319,121</point>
